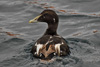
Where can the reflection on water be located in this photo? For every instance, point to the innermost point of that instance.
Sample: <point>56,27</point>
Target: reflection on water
<point>79,24</point>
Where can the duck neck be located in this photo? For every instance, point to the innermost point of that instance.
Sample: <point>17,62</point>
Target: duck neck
<point>52,29</point>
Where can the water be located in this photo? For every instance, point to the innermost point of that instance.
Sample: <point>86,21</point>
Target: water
<point>79,24</point>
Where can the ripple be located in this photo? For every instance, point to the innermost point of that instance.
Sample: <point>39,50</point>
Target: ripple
<point>11,8</point>
<point>76,17</point>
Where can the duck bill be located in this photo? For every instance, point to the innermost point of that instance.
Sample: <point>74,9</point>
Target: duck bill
<point>35,19</point>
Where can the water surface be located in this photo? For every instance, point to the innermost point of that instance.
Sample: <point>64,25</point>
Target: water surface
<point>79,24</point>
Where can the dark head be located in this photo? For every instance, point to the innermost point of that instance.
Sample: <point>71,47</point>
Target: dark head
<point>48,16</point>
<point>51,18</point>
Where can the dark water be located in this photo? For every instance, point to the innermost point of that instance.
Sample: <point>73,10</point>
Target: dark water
<point>79,25</point>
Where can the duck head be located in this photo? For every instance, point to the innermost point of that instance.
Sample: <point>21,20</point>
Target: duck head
<point>48,16</point>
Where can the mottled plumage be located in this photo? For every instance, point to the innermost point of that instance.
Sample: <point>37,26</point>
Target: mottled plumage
<point>50,44</point>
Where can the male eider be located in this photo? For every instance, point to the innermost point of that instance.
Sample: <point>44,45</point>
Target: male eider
<point>50,44</point>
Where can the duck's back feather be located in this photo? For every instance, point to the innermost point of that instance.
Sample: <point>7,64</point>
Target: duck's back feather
<point>50,44</point>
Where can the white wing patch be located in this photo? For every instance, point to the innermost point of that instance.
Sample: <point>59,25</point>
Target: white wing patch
<point>38,47</point>
<point>57,47</point>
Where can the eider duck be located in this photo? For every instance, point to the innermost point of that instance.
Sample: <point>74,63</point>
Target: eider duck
<point>50,44</point>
